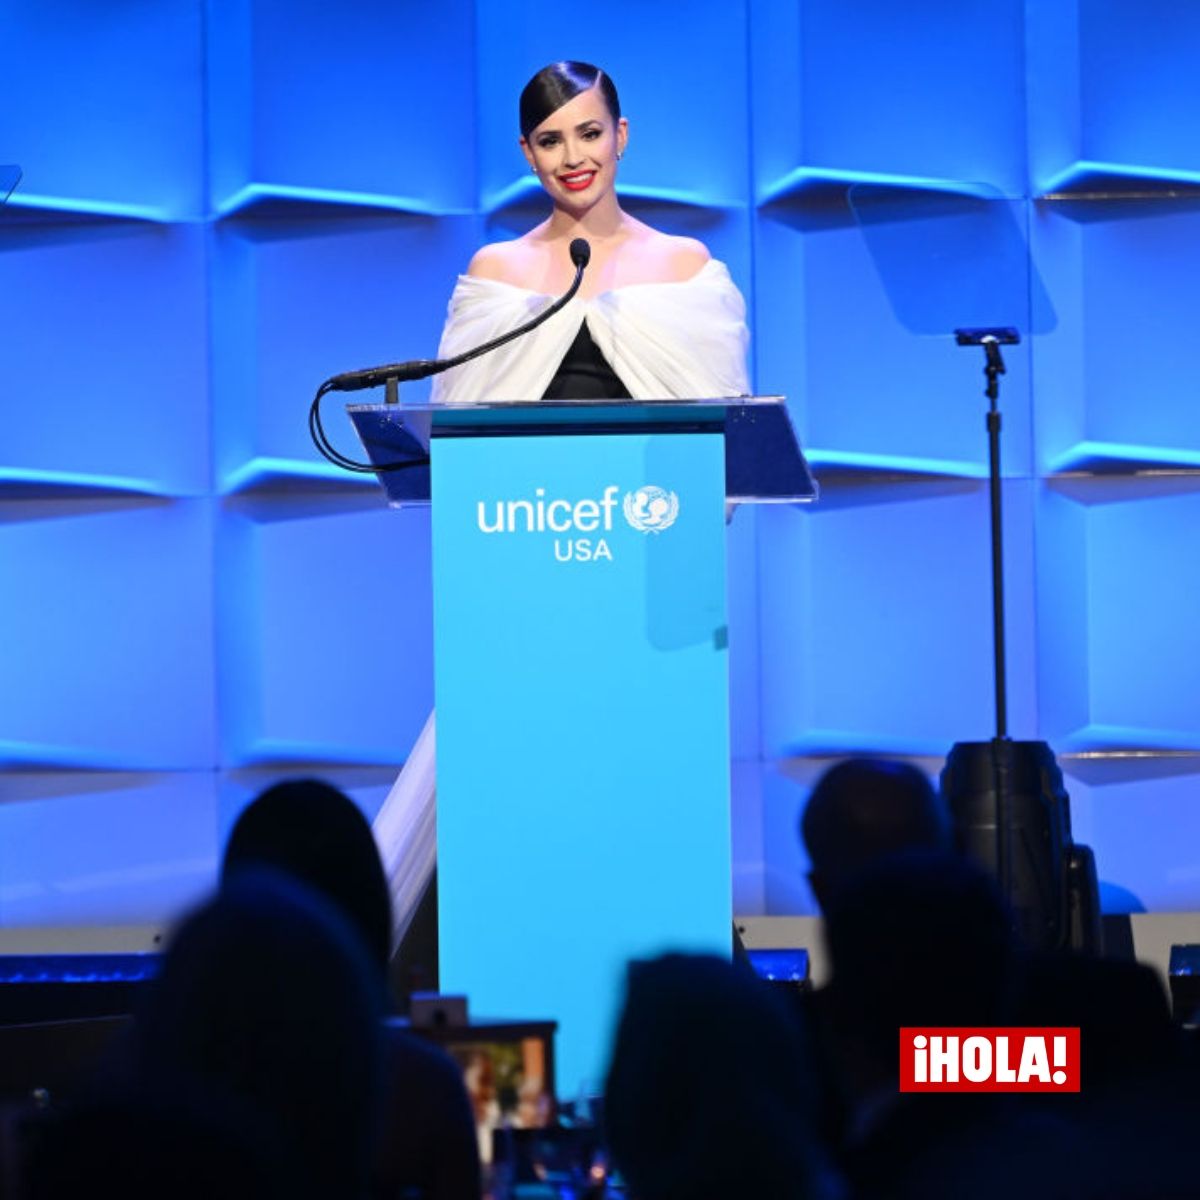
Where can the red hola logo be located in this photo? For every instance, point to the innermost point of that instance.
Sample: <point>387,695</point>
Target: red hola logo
<point>989,1060</point>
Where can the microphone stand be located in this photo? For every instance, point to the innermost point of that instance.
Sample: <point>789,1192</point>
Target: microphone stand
<point>1047,878</point>
<point>991,340</point>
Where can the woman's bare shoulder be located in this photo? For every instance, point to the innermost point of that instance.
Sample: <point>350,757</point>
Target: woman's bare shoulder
<point>505,262</point>
<point>675,258</point>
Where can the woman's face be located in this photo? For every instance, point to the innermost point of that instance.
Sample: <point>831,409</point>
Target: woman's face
<point>574,150</point>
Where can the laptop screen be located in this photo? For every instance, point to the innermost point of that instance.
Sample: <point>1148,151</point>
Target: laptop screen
<point>508,1071</point>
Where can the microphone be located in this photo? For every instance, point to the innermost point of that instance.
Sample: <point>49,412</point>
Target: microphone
<point>420,368</point>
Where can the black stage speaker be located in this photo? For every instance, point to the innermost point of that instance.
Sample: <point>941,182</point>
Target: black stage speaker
<point>1011,813</point>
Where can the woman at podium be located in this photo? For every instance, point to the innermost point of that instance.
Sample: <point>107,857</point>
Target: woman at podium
<point>656,317</point>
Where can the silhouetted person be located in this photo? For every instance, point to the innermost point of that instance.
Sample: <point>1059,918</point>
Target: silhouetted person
<point>315,833</point>
<point>862,810</point>
<point>266,995</point>
<point>924,939</point>
<point>918,939</point>
<point>708,1090</point>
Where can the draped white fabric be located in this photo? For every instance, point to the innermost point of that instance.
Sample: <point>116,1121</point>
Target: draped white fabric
<point>405,831</point>
<point>664,341</point>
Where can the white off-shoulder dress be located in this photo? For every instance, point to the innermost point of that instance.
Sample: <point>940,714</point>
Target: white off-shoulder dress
<point>663,340</point>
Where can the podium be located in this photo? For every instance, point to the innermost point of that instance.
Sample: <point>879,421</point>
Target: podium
<point>581,683</point>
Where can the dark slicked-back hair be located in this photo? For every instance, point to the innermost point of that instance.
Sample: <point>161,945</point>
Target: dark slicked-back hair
<point>312,832</point>
<point>555,85</point>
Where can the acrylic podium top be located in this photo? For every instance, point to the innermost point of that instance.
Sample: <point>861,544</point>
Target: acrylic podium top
<point>763,460</point>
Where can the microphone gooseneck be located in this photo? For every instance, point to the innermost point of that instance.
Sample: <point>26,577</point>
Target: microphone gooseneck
<point>421,368</point>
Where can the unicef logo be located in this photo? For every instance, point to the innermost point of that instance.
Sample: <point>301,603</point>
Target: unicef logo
<point>651,509</point>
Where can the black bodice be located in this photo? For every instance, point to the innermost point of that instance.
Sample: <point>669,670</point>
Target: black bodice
<point>584,373</point>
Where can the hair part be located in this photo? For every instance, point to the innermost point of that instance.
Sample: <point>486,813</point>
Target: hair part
<point>559,83</point>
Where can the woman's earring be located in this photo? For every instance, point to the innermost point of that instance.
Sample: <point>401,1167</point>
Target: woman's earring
<point>534,170</point>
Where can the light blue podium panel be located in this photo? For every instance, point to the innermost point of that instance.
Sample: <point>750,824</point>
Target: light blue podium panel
<point>581,683</point>
<point>583,728</point>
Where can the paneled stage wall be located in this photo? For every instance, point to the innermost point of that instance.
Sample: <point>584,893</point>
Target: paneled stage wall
<point>225,202</point>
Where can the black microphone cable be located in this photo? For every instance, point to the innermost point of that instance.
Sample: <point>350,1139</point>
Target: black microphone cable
<point>580,252</point>
<point>316,431</point>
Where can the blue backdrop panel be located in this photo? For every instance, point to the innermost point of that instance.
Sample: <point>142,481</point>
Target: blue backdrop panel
<point>868,89</point>
<point>367,101</point>
<point>1128,76</point>
<point>778,342</point>
<point>104,356</point>
<point>1057,356</point>
<point>747,834</point>
<point>876,619</point>
<point>778,108</point>
<point>1142,820</point>
<point>1127,281</point>
<point>785,866</point>
<point>108,628</point>
<point>103,106</point>
<point>583,747</point>
<point>687,109</point>
<point>1054,99</point>
<point>304,299</point>
<point>1061,606</point>
<point>1135,541</point>
<point>865,390</point>
<point>324,629</point>
<point>111,848</point>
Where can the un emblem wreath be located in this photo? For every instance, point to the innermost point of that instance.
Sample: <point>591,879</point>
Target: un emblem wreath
<point>651,509</point>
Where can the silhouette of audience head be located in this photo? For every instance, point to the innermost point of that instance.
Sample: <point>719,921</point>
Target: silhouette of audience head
<point>862,810</point>
<point>266,995</point>
<point>708,1088</point>
<point>311,831</point>
<point>921,938</point>
<point>314,833</point>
